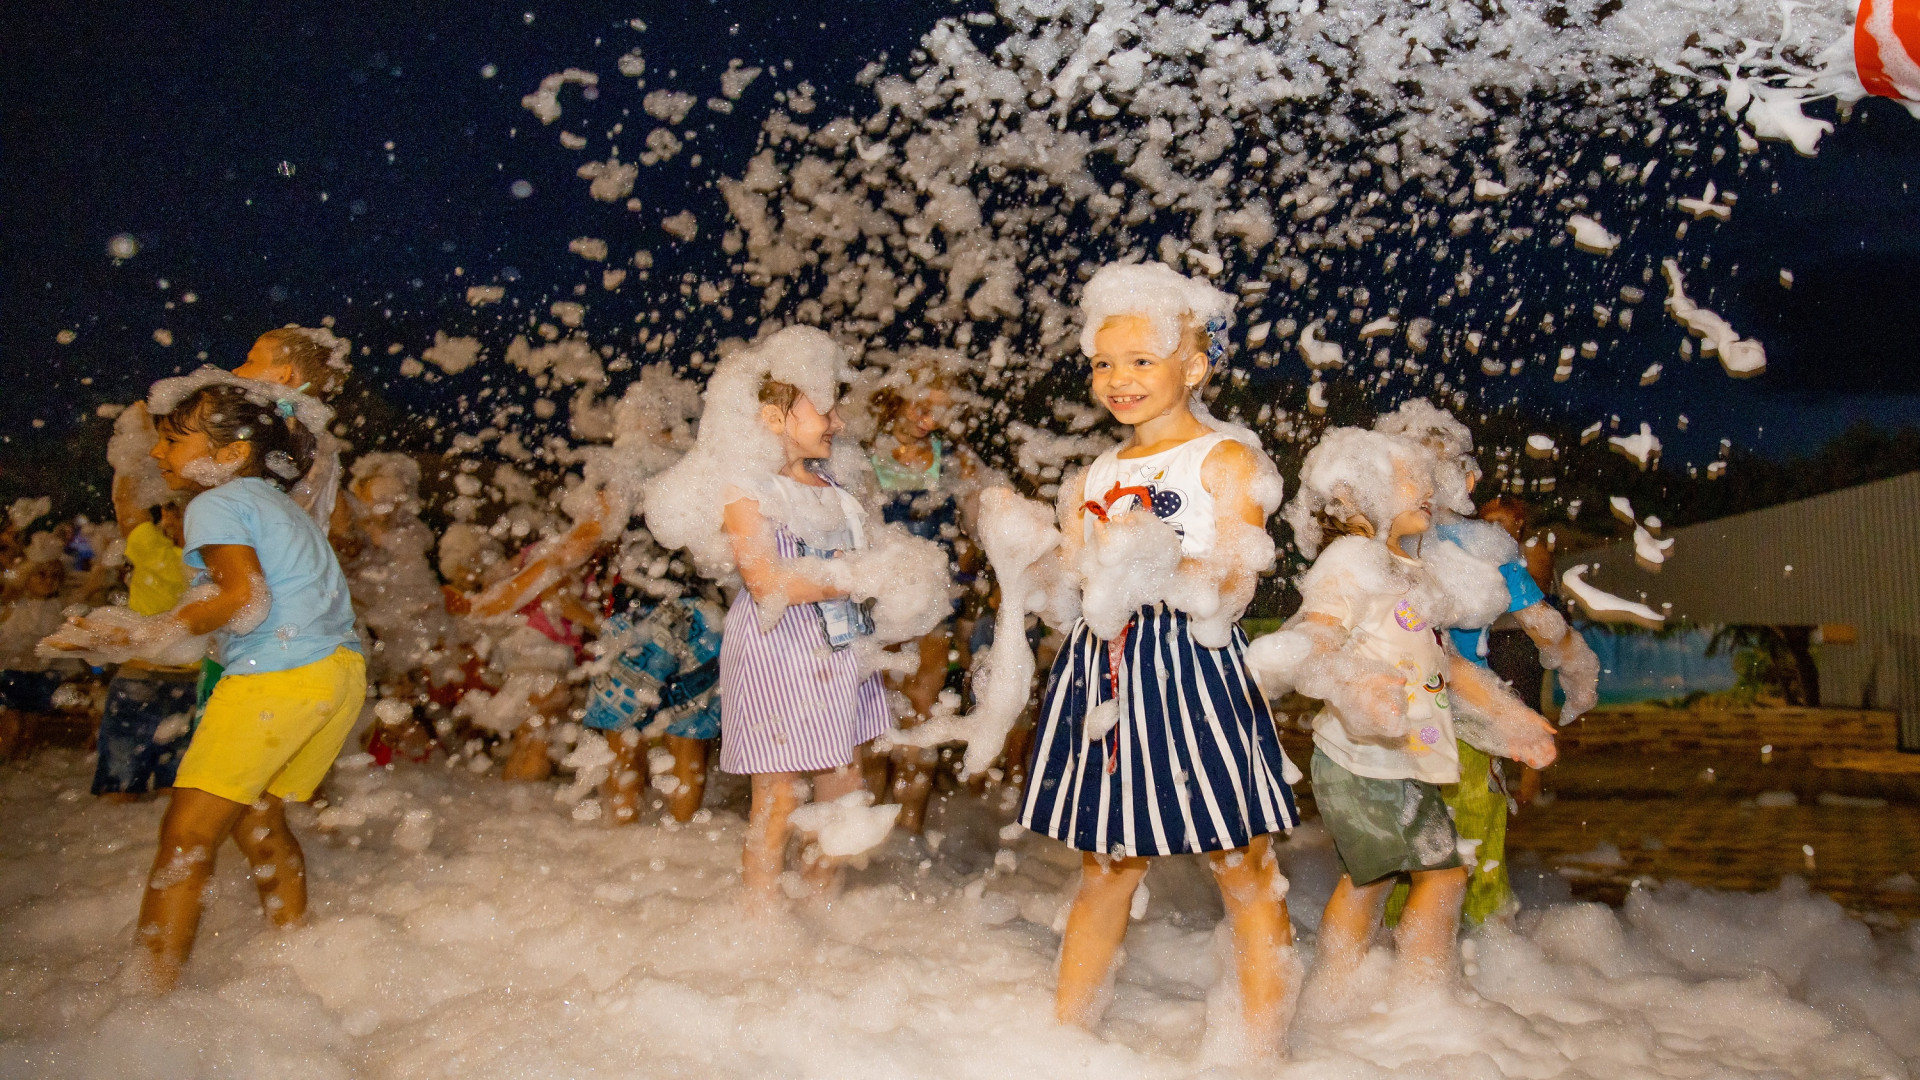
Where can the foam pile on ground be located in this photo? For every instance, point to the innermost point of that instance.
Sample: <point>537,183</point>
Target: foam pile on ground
<point>526,943</point>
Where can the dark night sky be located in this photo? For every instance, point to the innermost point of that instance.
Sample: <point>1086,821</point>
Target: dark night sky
<point>246,152</point>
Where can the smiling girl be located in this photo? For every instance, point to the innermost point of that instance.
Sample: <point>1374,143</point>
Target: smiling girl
<point>272,593</point>
<point>1153,738</point>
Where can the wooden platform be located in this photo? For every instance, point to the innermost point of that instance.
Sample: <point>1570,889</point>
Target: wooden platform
<point>1789,731</point>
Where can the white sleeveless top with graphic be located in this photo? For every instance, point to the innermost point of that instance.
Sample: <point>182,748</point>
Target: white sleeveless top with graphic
<point>1168,483</point>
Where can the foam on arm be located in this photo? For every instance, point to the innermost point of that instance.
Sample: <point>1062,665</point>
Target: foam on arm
<point>1487,715</point>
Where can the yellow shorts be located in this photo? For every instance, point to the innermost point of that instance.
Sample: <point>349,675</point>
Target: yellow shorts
<point>277,732</point>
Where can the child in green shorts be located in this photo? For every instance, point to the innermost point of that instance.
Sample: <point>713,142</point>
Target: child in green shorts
<point>1373,604</point>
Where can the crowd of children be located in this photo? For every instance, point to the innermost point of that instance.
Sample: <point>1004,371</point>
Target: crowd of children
<point>798,605</point>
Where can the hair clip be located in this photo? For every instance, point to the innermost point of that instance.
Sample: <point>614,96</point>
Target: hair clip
<point>1217,343</point>
<point>284,407</point>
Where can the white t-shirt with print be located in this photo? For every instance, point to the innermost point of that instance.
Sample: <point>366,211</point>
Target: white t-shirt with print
<point>1380,601</point>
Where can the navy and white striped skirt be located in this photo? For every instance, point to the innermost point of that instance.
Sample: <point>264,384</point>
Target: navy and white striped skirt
<point>789,702</point>
<point>1194,763</point>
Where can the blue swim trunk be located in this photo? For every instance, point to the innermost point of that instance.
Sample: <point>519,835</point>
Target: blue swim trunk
<point>146,726</point>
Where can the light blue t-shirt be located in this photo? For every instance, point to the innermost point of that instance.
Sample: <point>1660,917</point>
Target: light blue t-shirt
<point>312,614</point>
<point>1522,592</point>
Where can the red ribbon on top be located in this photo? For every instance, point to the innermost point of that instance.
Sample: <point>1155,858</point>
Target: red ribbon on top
<point>1886,48</point>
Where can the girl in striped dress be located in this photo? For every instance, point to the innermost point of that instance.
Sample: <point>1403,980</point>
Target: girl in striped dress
<point>793,701</point>
<point>1154,738</point>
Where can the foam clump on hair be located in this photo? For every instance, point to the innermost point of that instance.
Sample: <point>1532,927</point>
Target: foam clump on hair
<point>1171,302</point>
<point>1350,472</point>
<point>1447,439</point>
<point>735,450</point>
<point>311,413</point>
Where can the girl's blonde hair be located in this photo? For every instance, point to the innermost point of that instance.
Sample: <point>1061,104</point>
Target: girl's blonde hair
<point>318,362</point>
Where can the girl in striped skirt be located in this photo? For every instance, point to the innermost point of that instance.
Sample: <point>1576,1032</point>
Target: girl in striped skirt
<point>1154,738</point>
<point>793,701</point>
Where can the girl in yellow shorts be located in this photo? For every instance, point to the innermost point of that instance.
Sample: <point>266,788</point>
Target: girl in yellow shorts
<point>272,594</point>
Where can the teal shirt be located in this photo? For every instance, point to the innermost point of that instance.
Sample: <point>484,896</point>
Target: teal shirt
<point>311,614</point>
<point>1522,592</point>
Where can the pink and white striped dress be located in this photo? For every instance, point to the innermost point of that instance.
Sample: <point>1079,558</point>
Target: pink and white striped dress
<point>788,701</point>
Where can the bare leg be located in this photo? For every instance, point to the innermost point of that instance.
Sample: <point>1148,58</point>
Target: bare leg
<point>279,866</point>
<point>1248,881</point>
<point>1095,928</point>
<point>822,872</point>
<point>1346,929</point>
<point>529,760</point>
<point>195,826</point>
<point>912,784</point>
<point>625,777</point>
<point>775,795</point>
<point>913,766</point>
<point>690,768</point>
<point>1428,930</point>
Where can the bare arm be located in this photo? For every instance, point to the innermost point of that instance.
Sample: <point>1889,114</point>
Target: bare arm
<point>765,574</point>
<point>549,562</point>
<point>235,570</point>
<point>127,513</point>
<point>1227,474</point>
<point>1489,716</point>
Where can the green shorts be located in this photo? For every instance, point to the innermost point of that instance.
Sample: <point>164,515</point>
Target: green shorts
<point>1383,827</point>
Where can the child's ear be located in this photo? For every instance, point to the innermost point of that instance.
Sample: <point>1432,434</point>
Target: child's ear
<point>774,417</point>
<point>234,453</point>
<point>1194,369</point>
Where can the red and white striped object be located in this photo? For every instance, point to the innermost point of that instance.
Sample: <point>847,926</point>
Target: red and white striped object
<point>1886,48</point>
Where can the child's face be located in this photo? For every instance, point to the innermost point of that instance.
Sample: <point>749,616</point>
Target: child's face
<point>173,522</point>
<point>266,362</point>
<point>1413,493</point>
<point>177,450</point>
<point>804,431</point>
<point>1131,380</point>
<point>917,420</point>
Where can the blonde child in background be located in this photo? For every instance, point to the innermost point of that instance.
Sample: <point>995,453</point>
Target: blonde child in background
<point>295,680</point>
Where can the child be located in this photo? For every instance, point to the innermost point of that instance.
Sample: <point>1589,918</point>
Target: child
<point>144,721</point>
<point>1153,739</point>
<point>295,681</point>
<point>1479,801</point>
<point>38,593</point>
<point>312,361</point>
<point>664,672</point>
<point>1371,610</point>
<point>919,475</point>
<point>795,700</point>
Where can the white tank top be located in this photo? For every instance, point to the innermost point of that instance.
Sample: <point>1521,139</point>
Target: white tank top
<point>1168,483</point>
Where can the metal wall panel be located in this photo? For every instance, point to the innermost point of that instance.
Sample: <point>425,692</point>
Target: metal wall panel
<point>1850,556</point>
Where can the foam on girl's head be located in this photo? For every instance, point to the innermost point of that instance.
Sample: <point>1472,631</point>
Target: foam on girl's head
<point>734,448</point>
<point>1352,471</point>
<point>1171,302</point>
<point>1448,439</point>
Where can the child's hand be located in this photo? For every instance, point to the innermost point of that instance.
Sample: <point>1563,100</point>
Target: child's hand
<point>1376,705</point>
<point>1533,746</point>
